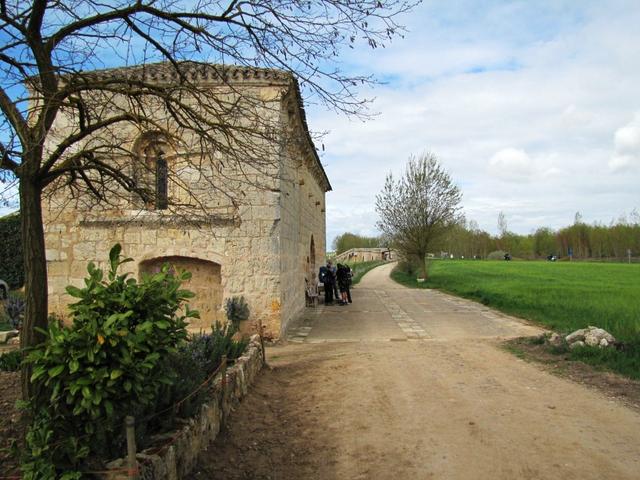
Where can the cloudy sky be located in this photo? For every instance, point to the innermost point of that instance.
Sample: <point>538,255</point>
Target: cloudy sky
<point>533,107</point>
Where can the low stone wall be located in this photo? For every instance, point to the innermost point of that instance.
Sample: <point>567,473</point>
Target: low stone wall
<point>179,450</point>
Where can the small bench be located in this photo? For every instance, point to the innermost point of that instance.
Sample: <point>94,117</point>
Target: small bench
<point>311,295</point>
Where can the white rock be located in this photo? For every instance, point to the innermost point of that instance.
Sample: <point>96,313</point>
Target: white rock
<point>591,336</point>
<point>555,340</point>
<point>591,340</point>
<point>576,344</point>
<point>601,333</point>
<point>5,336</point>
<point>578,335</point>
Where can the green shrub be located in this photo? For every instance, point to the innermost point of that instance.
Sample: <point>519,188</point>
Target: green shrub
<point>222,343</point>
<point>107,364</point>
<point>10,361</point>
<point>11,263</point>
<point>408,267</point>
<point>237,310</point>
<point>14,309</point>
<point>4,322</point>
<point>189,376</point>
<point>193,364</point>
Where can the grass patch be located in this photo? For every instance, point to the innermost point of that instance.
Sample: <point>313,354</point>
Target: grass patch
<point>360,268</point>
<point>407,279</point>
<point>515,350</point>
<point>625,361</point>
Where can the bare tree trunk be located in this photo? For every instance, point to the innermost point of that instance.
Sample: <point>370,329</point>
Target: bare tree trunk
<point>425,266</point>
<point>35,266</point>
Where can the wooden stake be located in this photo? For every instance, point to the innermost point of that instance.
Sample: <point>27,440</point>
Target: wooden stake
<point>132,464</point>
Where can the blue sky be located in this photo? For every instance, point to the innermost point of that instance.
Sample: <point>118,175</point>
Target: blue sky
<point>533,108</point>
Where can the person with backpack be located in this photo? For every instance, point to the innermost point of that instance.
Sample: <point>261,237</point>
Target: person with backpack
<point>334,272</point>
<point>349,282</point>
<point>326,277</point>
<point>343,283</point>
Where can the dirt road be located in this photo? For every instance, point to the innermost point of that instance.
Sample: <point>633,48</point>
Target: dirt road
<point>412,384</point>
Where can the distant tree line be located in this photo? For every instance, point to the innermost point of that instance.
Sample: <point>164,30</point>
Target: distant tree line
<point>582,240</point>
<point>349,240</point>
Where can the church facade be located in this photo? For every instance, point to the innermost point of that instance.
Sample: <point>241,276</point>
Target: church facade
<point>253,228</point>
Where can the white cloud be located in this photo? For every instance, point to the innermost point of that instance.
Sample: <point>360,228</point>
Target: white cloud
<point>520,101</point>
<point>511,164</point>
<point>626,142</point>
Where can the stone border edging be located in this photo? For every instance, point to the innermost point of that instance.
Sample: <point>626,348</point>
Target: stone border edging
<point>178,458</point>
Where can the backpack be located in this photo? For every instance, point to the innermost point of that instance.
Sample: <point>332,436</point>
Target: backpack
<point>323,274</point>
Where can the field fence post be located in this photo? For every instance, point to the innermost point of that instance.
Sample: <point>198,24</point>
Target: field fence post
<point>132,465</point>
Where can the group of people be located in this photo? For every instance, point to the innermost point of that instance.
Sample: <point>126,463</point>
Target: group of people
<point>336,278</point>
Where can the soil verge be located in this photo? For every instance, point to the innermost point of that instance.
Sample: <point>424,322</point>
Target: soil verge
<point>612,385</point>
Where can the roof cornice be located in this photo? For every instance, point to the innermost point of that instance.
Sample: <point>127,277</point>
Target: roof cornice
<point>196,72</point>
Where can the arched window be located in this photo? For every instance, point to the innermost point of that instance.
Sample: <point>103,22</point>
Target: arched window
<point>153,173</point>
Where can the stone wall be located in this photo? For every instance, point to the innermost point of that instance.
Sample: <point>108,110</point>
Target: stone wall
<point>367,254</point>
<point>243,256</point>
<point>302,237</point>
<point>177,452</point>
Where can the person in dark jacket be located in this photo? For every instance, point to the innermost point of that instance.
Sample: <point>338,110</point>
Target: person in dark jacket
<point>342,275</point>
<point>334,271</point>
<point>326,277</point>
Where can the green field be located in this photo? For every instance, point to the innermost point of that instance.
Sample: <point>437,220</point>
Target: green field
<point>563,296</point>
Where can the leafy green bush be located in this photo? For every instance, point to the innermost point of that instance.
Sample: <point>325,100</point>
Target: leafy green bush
<point>10,361</point>
<point>107,364</point>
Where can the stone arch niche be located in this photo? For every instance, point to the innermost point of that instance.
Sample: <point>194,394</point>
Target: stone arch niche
<point>312,259</point>
<point>205,282</point>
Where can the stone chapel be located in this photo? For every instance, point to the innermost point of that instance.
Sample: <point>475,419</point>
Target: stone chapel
<point>262,233</point>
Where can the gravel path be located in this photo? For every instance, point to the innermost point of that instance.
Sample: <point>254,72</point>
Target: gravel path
<point>412,384</point>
